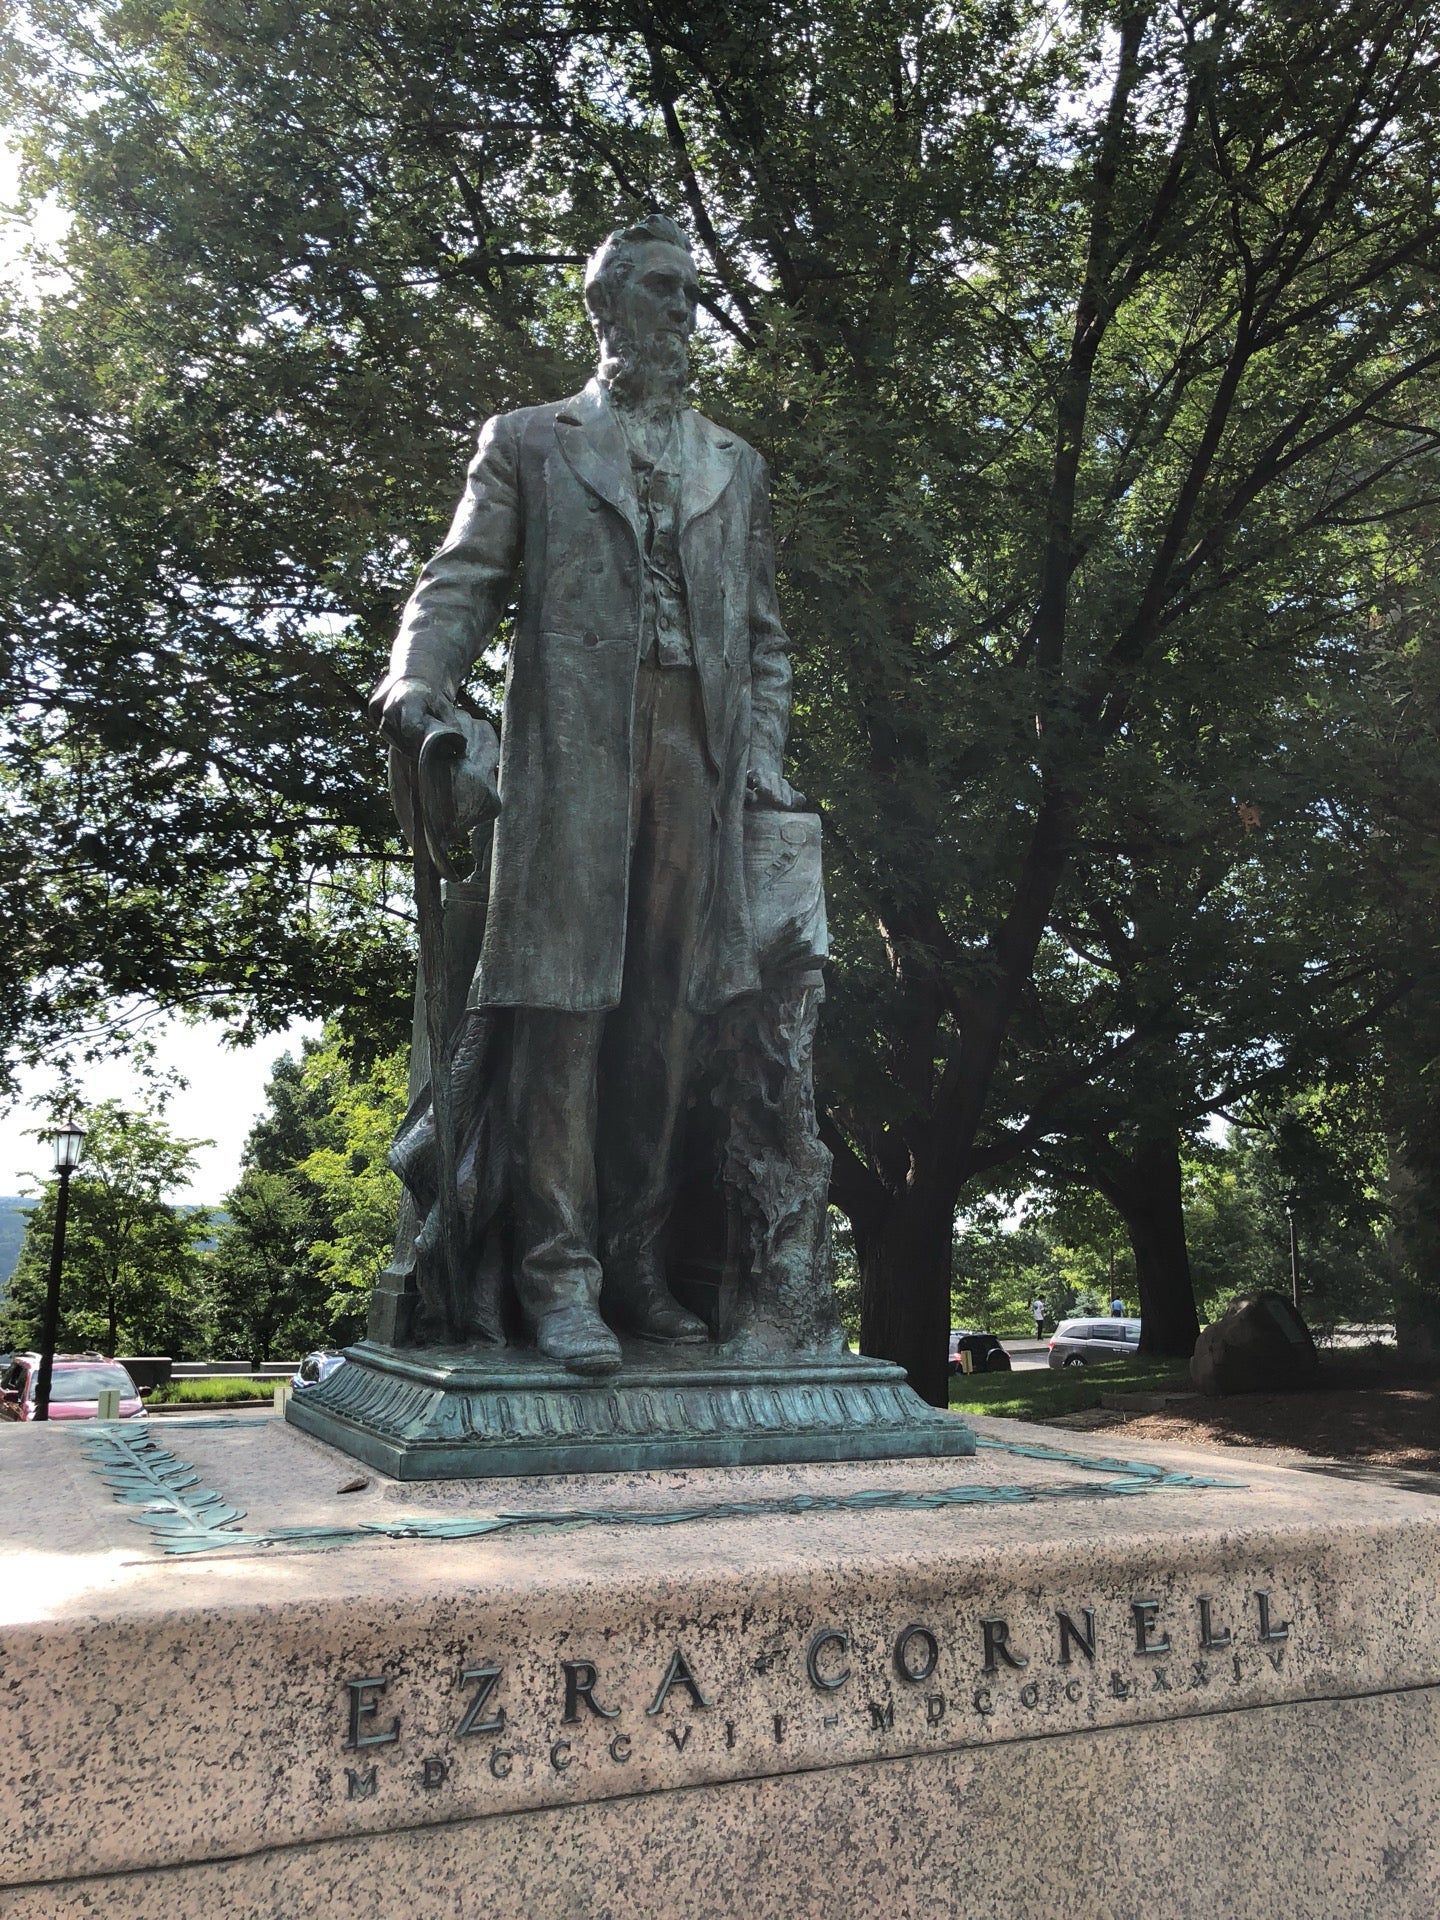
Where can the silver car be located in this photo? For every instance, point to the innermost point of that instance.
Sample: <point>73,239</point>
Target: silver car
<point>314,1368</point>
<point>1080,1343</point>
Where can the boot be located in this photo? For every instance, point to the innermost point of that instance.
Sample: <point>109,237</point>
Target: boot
<point>636,1298</point>
<point>578,1338</point>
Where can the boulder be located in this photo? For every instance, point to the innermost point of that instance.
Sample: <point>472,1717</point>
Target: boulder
<point>1258,1345</point>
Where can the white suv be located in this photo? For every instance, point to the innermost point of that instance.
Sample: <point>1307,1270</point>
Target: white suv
<point>1080,1343</point>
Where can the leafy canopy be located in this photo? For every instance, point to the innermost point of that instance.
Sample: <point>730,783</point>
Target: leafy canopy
<point>1092,351</point>
<point>134,1275</point>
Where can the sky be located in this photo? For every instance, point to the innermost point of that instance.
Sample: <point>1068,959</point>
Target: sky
<point>46,226</point>
<point>224,1096</point>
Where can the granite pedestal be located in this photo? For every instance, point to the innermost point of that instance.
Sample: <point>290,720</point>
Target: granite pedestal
<point>244,1676</point>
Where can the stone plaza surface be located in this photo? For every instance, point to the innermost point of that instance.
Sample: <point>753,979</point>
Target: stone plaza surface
<point>244,1676</point>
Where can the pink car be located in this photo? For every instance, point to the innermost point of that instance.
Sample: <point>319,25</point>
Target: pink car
<point>76,1383</point>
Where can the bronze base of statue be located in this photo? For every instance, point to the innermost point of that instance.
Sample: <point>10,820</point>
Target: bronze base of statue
<point>451,1414</point>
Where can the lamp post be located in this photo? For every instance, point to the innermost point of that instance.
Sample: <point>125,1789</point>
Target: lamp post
<point>69,1142</point>
<point>1290,1198</point>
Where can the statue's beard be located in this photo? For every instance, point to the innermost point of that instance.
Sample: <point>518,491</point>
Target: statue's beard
<point>648,372</point>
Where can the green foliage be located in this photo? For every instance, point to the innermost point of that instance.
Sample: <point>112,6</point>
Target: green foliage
<point>1323,1151</point>
<point>1061,1253</point>
<point>1234,1241</point>
<point>1093,353</point>
<point>999,1269</point>
<point>133,1280</point>
<point>12,1235</point>
<point>269,1295</point>
<point>181,1392</point>
<point>847,1276</point>
<point>357,1190</point>
<point>311,1221</point>
<point>1318,1149</point>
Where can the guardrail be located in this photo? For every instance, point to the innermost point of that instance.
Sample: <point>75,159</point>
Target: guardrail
<point>232,1369</point>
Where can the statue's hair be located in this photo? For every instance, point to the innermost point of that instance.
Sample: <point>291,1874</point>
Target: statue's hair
<point>613,260</point>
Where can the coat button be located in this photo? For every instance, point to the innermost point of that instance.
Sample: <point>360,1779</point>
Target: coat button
<point>590,637</point>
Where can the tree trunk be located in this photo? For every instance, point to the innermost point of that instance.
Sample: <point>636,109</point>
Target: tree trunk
<point>1145,1190</point>
<point>112,1326</point>
<point>905,1255</point>
<point>1414,1239</point>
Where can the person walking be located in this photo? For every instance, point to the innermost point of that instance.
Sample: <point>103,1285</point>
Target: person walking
<point>1037,1309</point>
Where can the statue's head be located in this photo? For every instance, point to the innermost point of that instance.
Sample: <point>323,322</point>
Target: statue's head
<point>641,289</point>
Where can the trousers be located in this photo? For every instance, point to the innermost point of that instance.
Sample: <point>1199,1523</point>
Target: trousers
<point>596,1099</point>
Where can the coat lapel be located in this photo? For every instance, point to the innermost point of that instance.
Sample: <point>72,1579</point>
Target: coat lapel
<point>590,439</point>
<point>707,465</point>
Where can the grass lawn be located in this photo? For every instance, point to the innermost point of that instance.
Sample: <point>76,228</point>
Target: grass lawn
<point>1041,1393</point>
<point>221,1387</point>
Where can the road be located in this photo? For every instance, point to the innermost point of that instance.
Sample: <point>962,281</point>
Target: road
<point>1025,1354</point>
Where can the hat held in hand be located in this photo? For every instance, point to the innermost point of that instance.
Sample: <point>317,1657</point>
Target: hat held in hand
<point>448,788</point>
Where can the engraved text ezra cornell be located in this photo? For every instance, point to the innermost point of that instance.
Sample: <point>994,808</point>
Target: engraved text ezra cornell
<point>1178,1659</point>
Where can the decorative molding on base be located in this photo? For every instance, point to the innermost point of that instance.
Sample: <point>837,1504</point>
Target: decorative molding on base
<point>433,1414</point>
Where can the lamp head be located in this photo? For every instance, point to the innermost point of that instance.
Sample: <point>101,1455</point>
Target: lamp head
<point>69,1144</point>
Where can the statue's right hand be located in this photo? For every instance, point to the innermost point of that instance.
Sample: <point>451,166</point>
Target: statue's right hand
<point>406,710</point>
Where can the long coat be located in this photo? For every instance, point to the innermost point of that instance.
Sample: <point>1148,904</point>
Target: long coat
<point>549,504</point>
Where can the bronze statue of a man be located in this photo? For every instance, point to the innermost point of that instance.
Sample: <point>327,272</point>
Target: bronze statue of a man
<point>646,707</point>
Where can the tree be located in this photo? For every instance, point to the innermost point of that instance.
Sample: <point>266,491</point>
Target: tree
<point>1401,877</point>
<point>1210,961</point>
<point>269,1298</point>
<point>134,1276</point>
<point>1002,1265</point>
<point>312,1218</point>
<point>358,1191</point>
<point>1157,525</point>
<point>1075,340</point>
<point>1320,1152</point>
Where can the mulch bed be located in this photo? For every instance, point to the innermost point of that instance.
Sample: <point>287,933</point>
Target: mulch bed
<point>1380,1408</point>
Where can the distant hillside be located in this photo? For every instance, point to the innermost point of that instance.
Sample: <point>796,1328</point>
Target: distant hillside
<point>218,1218</point>
<point>13,1209</point>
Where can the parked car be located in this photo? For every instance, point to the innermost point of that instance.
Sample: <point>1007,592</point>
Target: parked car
<point>76,1382</point>
<point>1081,1343</point>
<point>314,1368</point>
<point>986,1353</point>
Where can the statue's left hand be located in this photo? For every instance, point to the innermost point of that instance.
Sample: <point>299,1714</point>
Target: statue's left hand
<point>773,790</point>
